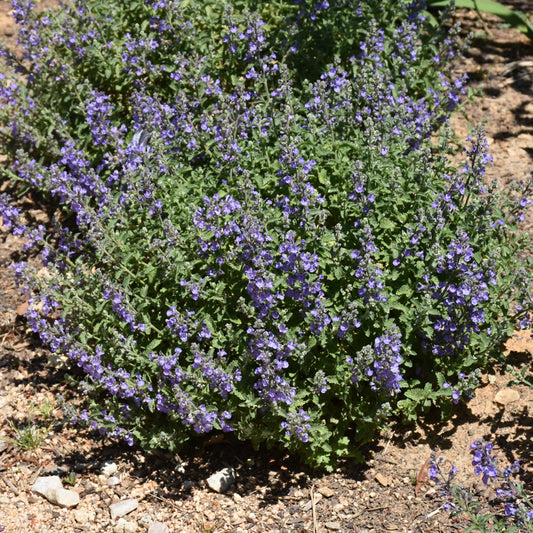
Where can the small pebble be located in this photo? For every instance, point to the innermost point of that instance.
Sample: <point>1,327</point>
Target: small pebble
<point>123,507</point>
<point>109,468</point>
<point>158,527</point>
<point>333,526</point>
<point>123,526</point>
<point>113,481</point>
<point>326,492</point>
<point>83,516</point>
<point>384,481</point>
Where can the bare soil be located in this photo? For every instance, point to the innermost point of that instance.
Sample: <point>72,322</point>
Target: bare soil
<point>272,493</point>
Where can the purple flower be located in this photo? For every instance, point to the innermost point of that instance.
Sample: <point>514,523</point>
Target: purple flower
<point>321,382</point>
<point>483,462</point>
<point>296,425</point>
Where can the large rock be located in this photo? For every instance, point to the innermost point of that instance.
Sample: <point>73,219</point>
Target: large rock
<point>51,488</point>
<point>505,396</point>
<point>44,484</point>
<point>63,497</point>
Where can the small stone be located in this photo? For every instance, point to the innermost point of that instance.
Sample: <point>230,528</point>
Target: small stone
<point>384,481</point>
<point>221,481</point>
<point>333,526</point>
<point>237,497</point>
<point>326,492</point>
<point>113,481</point>
<point>3,446</point>
<point>123,526</point>
<point>83,516</point>
<point>109,468</point>
<point>158,527</point>
<point>63,497</point>
<point>123,507</point>
<point>145,520</point>
<point>505,396</point>
<point>44,484</point>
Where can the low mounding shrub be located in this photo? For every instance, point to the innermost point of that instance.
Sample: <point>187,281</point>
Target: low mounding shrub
<point>258,230</point>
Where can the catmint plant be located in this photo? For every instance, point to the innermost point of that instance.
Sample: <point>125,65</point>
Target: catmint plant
<point>257,230</point>
<point>512,504</point>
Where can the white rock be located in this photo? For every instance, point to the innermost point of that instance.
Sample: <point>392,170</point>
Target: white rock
<point>123,507</point>
<point>113,481</point>
<point>123,526</point>
<point>63,497</point>
<point>44,484</point>
<point>158,527</point>
<point>109,468</point>
<point>222,480</point>
<point>3,445</point>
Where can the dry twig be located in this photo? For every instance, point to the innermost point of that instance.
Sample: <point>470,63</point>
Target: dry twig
<point>313,508</point>
<point>10,485</point>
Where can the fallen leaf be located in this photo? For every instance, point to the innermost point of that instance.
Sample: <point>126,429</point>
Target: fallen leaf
<point>423,474</point>
<point>22,308</point>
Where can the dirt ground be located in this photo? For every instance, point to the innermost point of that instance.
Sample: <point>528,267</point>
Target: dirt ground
<point>271,493</point>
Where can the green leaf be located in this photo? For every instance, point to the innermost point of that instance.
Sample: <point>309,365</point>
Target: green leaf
<point>153,345</point>
<point>417,394</point>
<point>385,223</point>
<point>514,18</point>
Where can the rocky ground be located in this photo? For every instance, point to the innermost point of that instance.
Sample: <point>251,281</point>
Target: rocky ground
<point>99,486</point>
